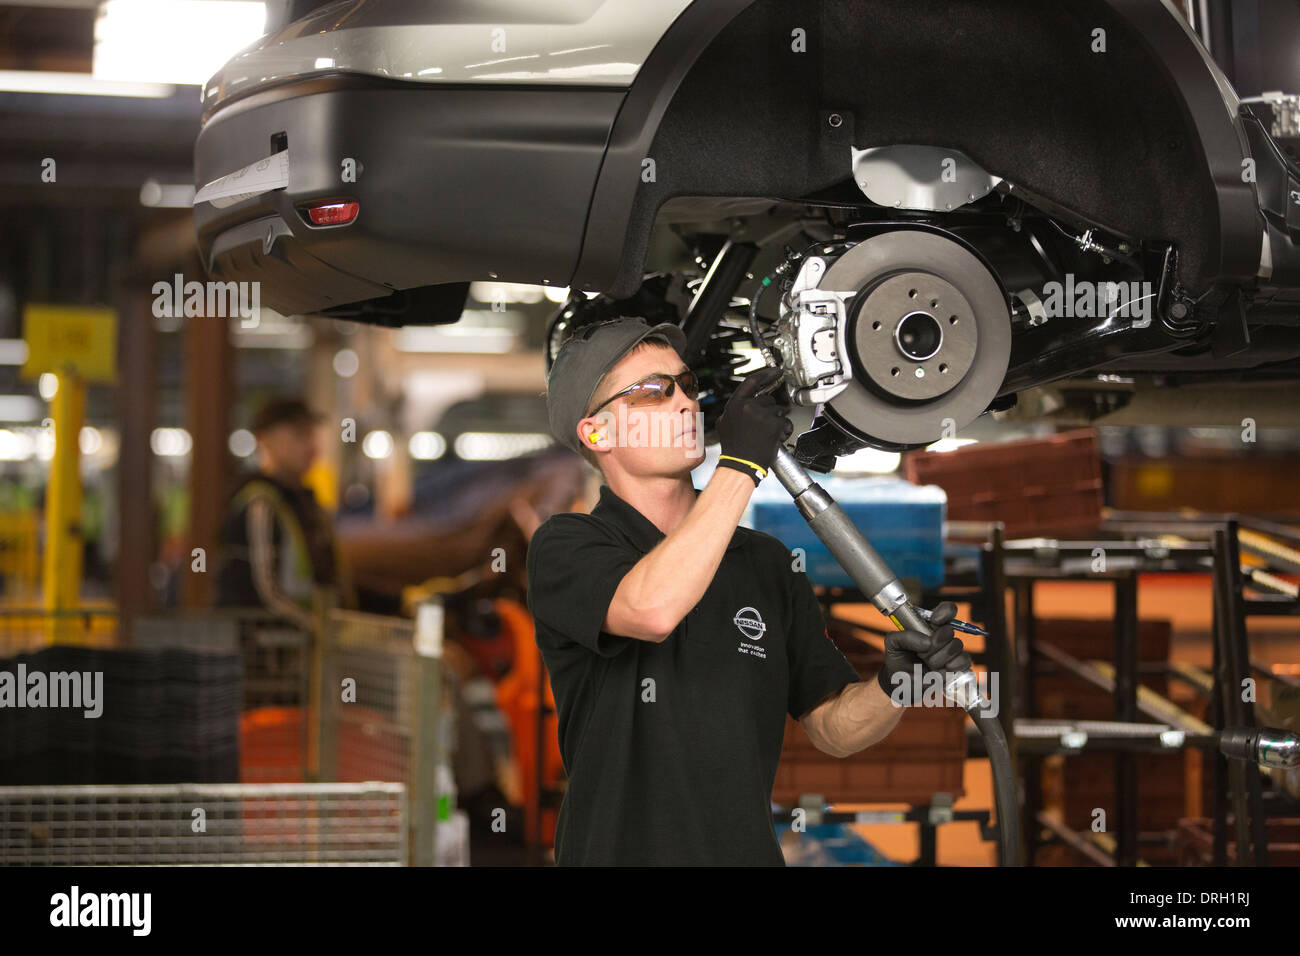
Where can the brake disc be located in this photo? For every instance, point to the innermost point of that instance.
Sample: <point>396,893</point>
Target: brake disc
<point>928,337</point>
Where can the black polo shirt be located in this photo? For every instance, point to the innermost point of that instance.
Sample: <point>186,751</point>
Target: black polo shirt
<point>671,749</point>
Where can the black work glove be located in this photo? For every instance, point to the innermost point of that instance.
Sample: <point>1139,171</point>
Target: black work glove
<point>941,651</point>
<point>752,426</point>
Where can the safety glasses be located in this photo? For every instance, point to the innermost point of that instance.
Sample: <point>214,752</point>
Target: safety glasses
<point>655,389</point>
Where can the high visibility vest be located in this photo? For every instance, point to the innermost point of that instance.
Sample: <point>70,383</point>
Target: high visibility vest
<point>295,574</point>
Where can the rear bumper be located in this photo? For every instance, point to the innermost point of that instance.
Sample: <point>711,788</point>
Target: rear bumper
<point>453,184</point>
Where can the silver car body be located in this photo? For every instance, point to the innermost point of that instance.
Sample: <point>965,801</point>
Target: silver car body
<point>600,43</point>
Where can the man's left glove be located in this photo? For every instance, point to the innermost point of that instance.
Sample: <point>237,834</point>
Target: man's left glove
<point>940,651</point>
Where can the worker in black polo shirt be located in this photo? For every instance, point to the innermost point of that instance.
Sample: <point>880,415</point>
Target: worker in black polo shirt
<point>675,640</point>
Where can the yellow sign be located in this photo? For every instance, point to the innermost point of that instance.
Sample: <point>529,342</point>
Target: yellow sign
<point>60,338</point>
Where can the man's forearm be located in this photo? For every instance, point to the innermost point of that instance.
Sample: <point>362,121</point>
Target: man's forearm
<point>662,588</point>
<point>860,715</point>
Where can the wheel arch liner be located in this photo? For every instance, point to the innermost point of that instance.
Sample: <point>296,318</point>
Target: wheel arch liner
<point>1139,139</point>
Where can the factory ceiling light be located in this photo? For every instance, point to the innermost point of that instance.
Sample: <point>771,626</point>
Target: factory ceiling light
<point>172,41</point>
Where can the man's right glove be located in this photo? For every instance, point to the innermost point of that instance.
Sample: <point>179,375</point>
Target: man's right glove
<point>752,426</point>
<point>941,651</point>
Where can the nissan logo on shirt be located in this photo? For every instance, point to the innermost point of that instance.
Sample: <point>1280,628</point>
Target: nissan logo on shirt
<point>750,623</point>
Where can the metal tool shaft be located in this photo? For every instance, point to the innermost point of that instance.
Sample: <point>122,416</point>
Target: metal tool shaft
<point>863,563</point>
<point>875,578</point>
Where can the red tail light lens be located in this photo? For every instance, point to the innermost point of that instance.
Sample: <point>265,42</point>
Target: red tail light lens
<point>333,213</point>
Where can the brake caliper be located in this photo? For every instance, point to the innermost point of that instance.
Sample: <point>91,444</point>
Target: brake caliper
<point>813,335</point>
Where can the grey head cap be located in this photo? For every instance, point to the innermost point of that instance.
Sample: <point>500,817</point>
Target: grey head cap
<point>584,359</point>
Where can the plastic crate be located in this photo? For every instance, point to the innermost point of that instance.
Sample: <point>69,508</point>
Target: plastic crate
<point>903,522</point>
<point>1049,487</point>
<point>923,756</point>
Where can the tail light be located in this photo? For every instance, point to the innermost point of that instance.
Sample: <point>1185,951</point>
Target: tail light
<point>333,213</point>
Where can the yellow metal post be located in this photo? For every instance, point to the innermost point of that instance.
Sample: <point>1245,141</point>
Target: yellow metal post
<point>63,532</point>
<point>76,344</point>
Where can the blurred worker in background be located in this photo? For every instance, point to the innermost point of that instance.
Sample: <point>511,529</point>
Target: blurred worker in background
<point>278,545</point>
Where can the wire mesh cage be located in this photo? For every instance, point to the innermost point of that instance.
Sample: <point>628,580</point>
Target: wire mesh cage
<point>383,705</point>
<point>370,691</point>
<point>355,724</point>
<point>351,701</point>
<point>205,824</point>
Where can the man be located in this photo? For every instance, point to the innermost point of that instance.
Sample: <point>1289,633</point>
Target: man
<point>677,641</point>
<point>278,545</point>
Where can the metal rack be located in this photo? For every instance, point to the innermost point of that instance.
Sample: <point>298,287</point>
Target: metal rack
<point>1273,543</point>
<point>1019,564</point>
<point>1143,721</point>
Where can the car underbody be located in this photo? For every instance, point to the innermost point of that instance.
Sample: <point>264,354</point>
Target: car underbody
<point>920,210</point>
<point>870,315</point>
